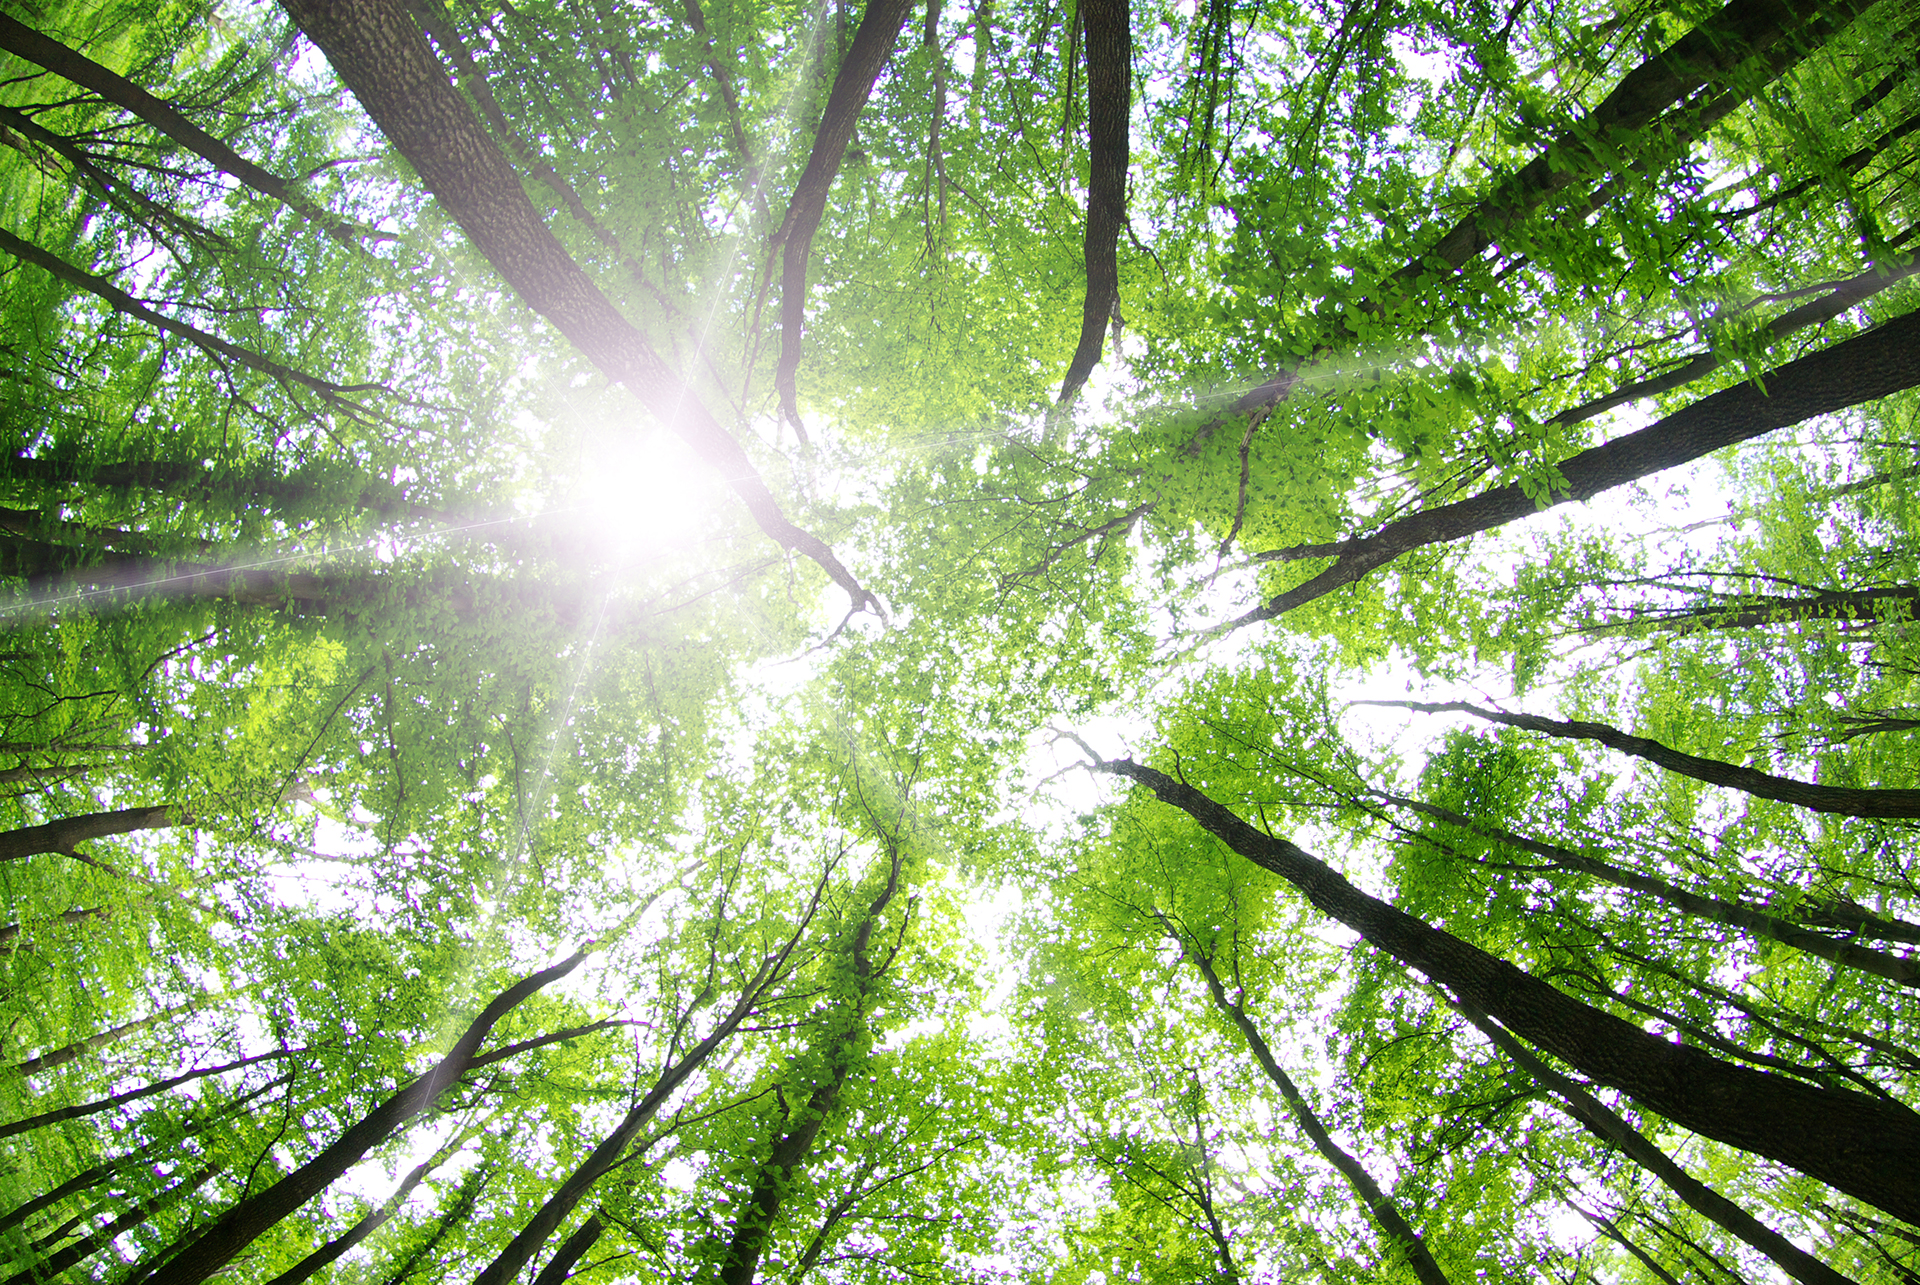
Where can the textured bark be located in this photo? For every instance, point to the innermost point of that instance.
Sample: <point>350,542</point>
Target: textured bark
<point>1882,804</point>
<point>1869,366</point>
<point>64,835</point>
<point>1591,145</point>
<point>1697,1196</point>
<point>72,65</point>
<point>1378,1204</point>
<point>1109,105</point>
<point>1749,919</point>
<point>1853,1142</point>
<point>873,43</point>
<point>217,1246</point>
<point>379,52</point>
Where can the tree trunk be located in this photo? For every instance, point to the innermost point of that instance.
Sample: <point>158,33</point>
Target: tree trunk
<point>1749,919</point>
<point>790,1152</point>
<point>379,53</point>
<point>1893,804</point>
<point>1393,1225</point>
<point>1756,611</point>
<point>572,1249</point>
<point>64,835</point>
<point>24,42</point>
<point>1711,50</point>
<point>873,44</point>
<point>134,1095</point>
<point>1109,105</point>
<point>327,1254</point>
<point>240,1225</point>
<point>1699,1197</point>
<point>520,1251</point>
<point>54,1264</point>
<point>1869,366</point>
<point>10,933</point>
<point>61,1056</point>
<point>1852,1142</point>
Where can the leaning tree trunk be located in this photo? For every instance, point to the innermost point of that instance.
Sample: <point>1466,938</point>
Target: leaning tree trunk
<point>221,1242</point>
<point>1861,1146</point>
<point>1875,364</point>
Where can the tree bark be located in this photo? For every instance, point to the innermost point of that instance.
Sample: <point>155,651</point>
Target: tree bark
<point>873,44</point>
<point>1109,105</point>
<point>1378,1204</point>
<point>1697,1196</point>
<point>520,1251</point>
<point>1844,295</point>
<point>134,1095</point>
<point>54,1264</point>
<point>120,301</point>
<point>572,1249</point>
<point>1711,50</point>
<point>1850,1141</point>
<point>1869,366</point>
<point>64,835</point>
<point>1750,919</point>
<point>378,51</point>
<point>324,1257</point>
<point>241,1224</point>
<point>1889,804</point>
<point>61,1056</point>
<point>1755,611</point>
<point>24,42</point>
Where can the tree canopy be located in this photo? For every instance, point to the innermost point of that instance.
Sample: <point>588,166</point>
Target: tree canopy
<point>1076,642</point>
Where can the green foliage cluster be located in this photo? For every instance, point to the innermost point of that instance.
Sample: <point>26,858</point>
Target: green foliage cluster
<point>367,650</point>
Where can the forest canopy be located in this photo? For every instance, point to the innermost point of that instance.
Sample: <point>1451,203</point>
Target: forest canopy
<point>1064,641</point>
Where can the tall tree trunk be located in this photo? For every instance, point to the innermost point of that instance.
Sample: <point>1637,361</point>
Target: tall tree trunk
<point>134,1095</point>
<point>53,1264</point>
<point>380,54</point>
<point>1878,363</point>
<point>1711,50</point>
<point>520,1251</point>
<point>1109,106</point>
<point>1750,919</point>
<point>1853,1142</point>
<point>572,1249</point>
<point>1757,611</point>
<point>67,833</point>
<point>24,42</point>
<point>61,1056</point>
<point>873,44</point>
<point>1891,804</point>
<point>325,1256</point>
<point>240,1225</point>
<point>790,1152</point>
<point>1699,1197</point>
<point>1380,1206</point>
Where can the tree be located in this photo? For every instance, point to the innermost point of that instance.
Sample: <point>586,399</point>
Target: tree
<point>483,479</point>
